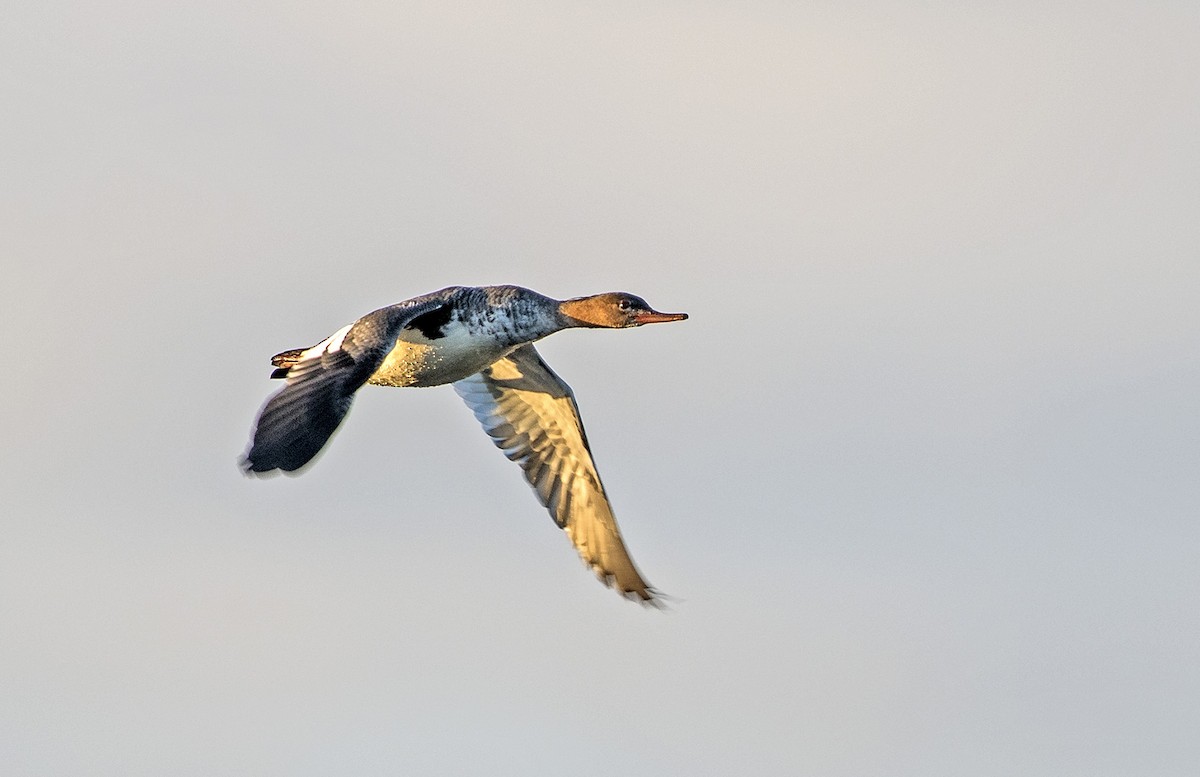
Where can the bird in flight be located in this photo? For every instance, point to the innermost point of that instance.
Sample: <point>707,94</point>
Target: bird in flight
<point>480,340</point>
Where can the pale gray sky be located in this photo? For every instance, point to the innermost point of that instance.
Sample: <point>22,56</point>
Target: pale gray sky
<point>922,468</point>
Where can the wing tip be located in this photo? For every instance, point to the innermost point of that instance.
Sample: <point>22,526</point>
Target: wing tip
<point>256,470</point>
<point>642,593</point>
<point>261,468</point>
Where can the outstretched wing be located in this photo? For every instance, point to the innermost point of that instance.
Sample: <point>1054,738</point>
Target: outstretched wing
<point>299,419</point>
<point>531,415</point>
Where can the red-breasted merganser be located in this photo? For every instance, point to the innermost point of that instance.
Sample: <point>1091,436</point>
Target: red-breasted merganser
<point>480,340</point>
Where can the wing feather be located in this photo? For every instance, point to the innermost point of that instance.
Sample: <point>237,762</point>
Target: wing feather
<point>298,420</point>
<point>531,415</point>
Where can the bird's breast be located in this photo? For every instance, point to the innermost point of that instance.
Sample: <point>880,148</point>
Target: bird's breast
<point>418,360</point>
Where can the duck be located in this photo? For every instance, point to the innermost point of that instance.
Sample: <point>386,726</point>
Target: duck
<point>479,340</point>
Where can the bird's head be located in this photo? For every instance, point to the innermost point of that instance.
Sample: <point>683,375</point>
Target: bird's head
<point>613,310</point>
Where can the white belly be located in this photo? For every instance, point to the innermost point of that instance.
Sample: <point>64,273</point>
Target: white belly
<point>418,361</point>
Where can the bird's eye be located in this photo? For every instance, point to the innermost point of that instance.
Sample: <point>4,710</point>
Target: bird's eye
<point>624,304</point>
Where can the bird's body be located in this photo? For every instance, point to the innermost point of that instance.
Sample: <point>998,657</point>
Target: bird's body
<point>479,339</point>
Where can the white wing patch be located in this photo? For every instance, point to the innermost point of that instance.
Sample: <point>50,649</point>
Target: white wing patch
<point>329,344</point>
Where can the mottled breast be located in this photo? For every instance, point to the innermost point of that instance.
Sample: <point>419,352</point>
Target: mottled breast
<point>436,350</point>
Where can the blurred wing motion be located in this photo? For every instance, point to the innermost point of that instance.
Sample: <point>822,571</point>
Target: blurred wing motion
<point>531,415</point>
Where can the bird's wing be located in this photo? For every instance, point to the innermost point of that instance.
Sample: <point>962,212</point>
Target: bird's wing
<point>300,418</point>
<point>531,415</point>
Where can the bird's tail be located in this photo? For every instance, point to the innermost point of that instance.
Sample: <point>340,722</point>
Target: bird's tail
<point>285,361</point>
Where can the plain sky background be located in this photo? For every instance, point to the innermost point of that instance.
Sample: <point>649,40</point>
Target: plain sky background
<point>922,469</point>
